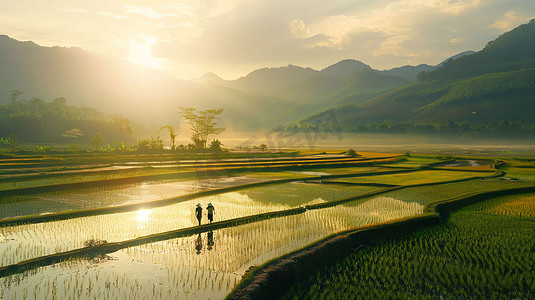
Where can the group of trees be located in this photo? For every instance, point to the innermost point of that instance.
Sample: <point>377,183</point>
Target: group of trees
<point>36,120</point>
<point>501,129</point>
<point>202,123</point>
<point>451,128</point>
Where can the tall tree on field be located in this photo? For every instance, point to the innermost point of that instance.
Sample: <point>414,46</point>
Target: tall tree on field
<point>172,135</point>
<point>97,141</point>
<point>202,124</point>
<point>14,94</point>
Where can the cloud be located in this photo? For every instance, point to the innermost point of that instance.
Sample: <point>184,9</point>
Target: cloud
<point>510,20</point>
<point>233,37</point>
<point>147,11</point>
<point>111,15</point>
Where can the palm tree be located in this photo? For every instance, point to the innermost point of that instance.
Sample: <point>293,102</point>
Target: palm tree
<point>172,135</point>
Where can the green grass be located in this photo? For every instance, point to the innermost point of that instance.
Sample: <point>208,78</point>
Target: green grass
<point>480,253</point>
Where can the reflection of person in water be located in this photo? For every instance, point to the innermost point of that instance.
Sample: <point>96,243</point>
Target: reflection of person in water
<point>198,244</point>
<point>210,240</point>
<point>210,209</point>
<point>198,212</point>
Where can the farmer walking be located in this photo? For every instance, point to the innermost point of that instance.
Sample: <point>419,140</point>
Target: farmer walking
<point>198,213</point>
<point>210,209</point>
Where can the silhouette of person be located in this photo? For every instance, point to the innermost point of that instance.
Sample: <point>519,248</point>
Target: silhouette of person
<point>210,209</point>
<point>210,240</point>
<point>198,213</point>
<point>198,244</point>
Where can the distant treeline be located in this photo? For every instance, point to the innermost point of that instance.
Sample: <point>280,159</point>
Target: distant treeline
<point>36,120</point>
<point>503,129</point>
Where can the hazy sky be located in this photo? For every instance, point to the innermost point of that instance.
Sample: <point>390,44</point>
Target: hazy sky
<point>233,37</point>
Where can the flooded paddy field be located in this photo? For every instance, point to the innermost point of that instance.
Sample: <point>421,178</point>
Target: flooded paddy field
<point>210,264</point>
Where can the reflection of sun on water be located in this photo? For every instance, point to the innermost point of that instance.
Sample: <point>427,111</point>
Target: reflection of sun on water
<point>142,217</point>
<point>140,53</point>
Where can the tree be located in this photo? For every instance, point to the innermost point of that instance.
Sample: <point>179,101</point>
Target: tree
<point>202,124</point>
<point>352,153</point>
<point>11,141</point>
<point>215,146</point>
<point>172,135</point>
<point>14,94</point>
<point>97,141</point>
<point>156,143</point>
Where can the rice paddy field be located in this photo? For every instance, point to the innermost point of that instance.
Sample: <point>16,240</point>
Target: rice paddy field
<point>269,210</point>
<point>485,251</point>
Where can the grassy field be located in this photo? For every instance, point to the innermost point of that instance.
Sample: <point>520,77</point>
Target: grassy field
<point>484,251</point>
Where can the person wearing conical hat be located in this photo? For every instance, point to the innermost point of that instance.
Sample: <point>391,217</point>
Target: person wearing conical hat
<point>210,209</point>
<point>198,213</point>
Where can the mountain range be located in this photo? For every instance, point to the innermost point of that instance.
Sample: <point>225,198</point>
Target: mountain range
<point>495,83</point>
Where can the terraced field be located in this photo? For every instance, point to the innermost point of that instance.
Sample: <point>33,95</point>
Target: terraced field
<point>485,251</point>
<point>131,233</point>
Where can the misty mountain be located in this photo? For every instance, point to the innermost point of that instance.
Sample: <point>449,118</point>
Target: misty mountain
<point>409,72</point>
<point>118,86</point>
<point>493,96</point>
<point>344,68</point>
<point>270,81</point>
<point>308,89</point>
<point>469,52</point>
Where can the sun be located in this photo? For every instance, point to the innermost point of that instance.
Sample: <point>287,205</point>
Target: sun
<point>140,53</point>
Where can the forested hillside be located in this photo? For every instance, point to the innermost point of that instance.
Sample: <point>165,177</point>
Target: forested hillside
<point>36,120</point>
<point>490,91</point>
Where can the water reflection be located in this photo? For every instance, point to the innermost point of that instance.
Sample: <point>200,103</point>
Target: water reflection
<point>198,244</point>
<point>210,242</point>
<point>142,217</point>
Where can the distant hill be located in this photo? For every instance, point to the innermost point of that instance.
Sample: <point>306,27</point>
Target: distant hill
<point>270,81</point>
<point>344,68</point>
<point>409,72</point>
<point>467,86</point>
<point>469,52</point>
<point>450,93</point>
<point>305,90</point>
<point>118,86</point>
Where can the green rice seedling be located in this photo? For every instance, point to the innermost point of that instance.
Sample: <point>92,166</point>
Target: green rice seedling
<point>419,177</point>
<point>514,205</point>
<point>173,268</point>
<point>483,252</point>
<point>428,194</point>
<point>31,240</point>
